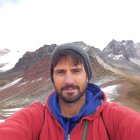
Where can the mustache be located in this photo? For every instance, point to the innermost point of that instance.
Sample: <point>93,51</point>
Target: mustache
<point>69,86</point>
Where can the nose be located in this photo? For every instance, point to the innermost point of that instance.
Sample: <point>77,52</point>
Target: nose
<point>69,79</point>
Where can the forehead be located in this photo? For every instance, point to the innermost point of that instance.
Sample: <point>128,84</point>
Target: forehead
<point>73,60</point>
<point>68,61</point>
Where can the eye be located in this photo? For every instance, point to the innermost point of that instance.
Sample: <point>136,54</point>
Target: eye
<point>76,70</point>
<point>59,72</point>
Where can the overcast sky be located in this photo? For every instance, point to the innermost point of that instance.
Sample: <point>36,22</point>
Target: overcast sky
<point>29,24</point>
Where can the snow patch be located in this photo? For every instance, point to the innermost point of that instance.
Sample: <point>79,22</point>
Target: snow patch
<point>10,59</point>
<point>39,79</point>
<point>7,113</point>
<point>22,84</point>
<point>104,80</point>
<point>111,91</point>
<point>11,109</point>
<point>135,61</point>
<point>85,48</point>
<point>116,57</point>
<point>10,84</point>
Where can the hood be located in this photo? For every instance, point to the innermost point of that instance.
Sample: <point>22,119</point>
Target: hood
<point>94,98</point>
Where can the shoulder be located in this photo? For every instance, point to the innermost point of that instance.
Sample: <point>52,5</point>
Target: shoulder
<point>121,121</point>
<point>36,106</point>
<point>119,115</point>
<point>23,123</point>
<point>116,108</point>
<point>32,112</point>
<point>35,109</point>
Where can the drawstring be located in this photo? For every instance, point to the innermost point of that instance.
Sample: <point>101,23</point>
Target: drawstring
<point>85,130</point>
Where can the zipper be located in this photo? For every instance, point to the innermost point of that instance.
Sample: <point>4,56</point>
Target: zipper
<point>85,129</point>
<point>69,137</point>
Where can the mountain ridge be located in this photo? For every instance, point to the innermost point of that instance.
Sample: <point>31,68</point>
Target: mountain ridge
<point>29,80</point>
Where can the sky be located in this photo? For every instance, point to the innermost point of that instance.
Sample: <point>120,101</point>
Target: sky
<point>29,24</point>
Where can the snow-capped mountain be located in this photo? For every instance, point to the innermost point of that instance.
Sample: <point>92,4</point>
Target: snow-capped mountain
<point>8,59</point>
<point>123,55</point>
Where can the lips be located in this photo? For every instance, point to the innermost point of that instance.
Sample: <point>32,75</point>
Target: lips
<point>69,89</point>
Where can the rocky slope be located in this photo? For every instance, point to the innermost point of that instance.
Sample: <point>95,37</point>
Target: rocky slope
<point>29,80</point>
<point>123,56</point>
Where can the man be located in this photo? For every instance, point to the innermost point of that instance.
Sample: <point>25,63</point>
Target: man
<point>76,110</point>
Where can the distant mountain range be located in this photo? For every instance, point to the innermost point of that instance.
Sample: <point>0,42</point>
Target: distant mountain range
<point>29,79</point>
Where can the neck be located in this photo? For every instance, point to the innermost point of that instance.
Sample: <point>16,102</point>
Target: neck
<point>71,109</point>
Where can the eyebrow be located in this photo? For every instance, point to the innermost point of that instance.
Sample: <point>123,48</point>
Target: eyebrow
<point>73,68</point>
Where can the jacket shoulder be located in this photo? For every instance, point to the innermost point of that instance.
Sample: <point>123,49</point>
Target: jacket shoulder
<point>24,124</point>
<point>121,121</point>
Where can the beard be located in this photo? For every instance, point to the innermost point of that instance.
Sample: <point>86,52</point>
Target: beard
<point>71,97</point>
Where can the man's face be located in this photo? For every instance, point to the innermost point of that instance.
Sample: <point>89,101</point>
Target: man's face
<point>70,80</point>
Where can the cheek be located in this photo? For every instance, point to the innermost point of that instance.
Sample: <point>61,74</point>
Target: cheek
<point>58,83</point>
<point>80,79</point>
<point>57,86</point>
<point>58,80</point>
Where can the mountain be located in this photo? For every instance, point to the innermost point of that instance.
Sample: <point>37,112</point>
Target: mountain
<point>29,79</point>
<point>8,59</point>
<point>2,53</point>
<point>126,48</point>
<point>31,58</point>
<point>123,56</point>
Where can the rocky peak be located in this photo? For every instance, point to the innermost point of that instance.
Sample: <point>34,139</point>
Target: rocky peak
<point>124,47</point>
<point>112,48</point>
<point>31,58</point>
